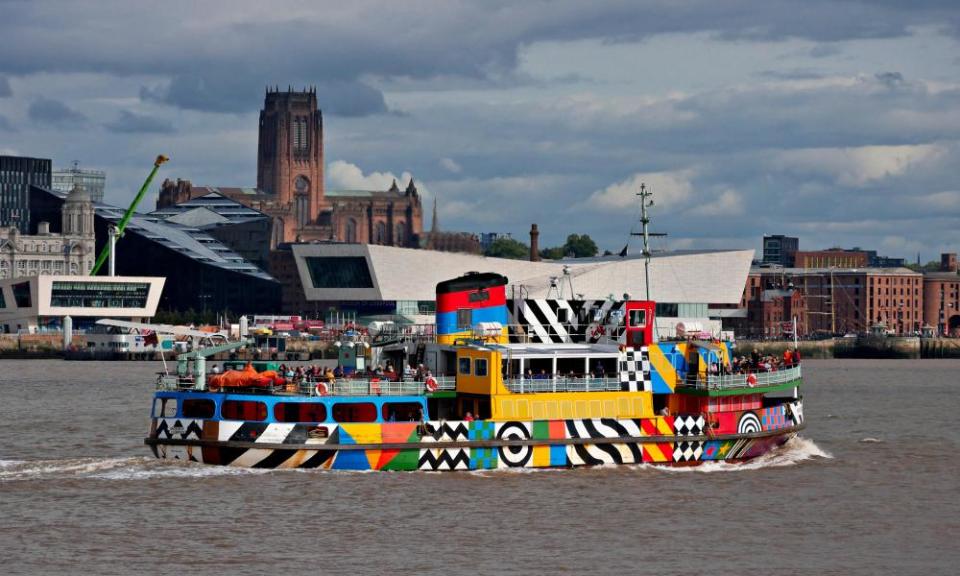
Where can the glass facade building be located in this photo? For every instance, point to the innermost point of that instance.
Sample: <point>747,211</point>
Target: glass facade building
<point>17,174</point>
<point>93,182</point>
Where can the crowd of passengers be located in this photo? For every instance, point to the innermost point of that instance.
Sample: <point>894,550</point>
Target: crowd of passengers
<point>757,362</point>
<point>314,373</point>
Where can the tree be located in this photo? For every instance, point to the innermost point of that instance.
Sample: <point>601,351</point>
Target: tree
<point>554,253</point>
<point>580,246</point>
<point>508,248</point>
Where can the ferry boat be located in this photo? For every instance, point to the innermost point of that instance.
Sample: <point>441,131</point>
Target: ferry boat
<point>487,397</point>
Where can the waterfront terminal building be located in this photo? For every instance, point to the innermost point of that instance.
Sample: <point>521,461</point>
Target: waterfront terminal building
<point>37,303</point>
<point>202,273</point>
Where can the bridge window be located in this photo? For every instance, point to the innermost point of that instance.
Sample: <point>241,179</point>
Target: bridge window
<point>464,318</point>
<point>464,367</point>
<point>164,408</point>
<point>243,410</point>
<point>480,367</point>
<point>300,412</point>
<point>355,412</point>
<point>402,411</point>
<point>198,408</point>
<point>638,318</point>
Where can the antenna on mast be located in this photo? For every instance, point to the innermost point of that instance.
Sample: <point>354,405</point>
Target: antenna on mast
<point>646,201</point>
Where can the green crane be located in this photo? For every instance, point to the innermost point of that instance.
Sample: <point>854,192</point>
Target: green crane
<point>105,253</point>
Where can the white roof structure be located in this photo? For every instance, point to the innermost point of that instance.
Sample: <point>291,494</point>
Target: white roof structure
<point>706,277</point>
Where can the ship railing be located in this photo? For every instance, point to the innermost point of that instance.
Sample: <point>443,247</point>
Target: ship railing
<point>561,384</point>
<point>364,387</point>
<point>173,382</point>
<point>751,380</point>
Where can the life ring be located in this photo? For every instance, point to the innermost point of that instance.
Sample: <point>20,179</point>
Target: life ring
<point>321,389</point>
<point>431,384</point>
<point>751,380</point>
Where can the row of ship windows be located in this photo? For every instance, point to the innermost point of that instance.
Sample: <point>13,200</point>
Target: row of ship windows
<point>290,412</point>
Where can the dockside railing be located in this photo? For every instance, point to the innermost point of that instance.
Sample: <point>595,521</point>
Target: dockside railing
<point>751,380</point>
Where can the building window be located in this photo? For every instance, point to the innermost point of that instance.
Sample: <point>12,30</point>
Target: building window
<point>21,294</point>
<point>333,272</point>
<point>400,236</point>
<point>381,235</point>
<point>351,232</point>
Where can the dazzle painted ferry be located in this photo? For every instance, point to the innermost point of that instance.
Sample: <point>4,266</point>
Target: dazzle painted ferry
<point>478,393</point>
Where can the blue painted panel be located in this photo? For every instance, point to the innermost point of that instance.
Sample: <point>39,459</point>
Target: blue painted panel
<point>447,321</point>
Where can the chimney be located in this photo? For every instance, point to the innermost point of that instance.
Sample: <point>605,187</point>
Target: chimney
<point>948,262</point>
<point>43,228</point>
<point>534,243</point>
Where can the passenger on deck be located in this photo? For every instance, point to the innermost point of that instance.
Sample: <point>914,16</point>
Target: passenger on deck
<point>787,358</point>
<point>338,372</point>
<point>215,369</point>
<point>529,374</point>
<point>468,417</point>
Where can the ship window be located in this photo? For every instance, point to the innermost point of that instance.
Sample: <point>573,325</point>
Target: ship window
<point>464,318</point>
<point>164,408</point>
<point>355,412</point>
<point>300,412</point>
<point>197,408</point>
<point>402,412</point>
<point>480,367</point>
<point>638,318</point>
<point>243,410</point>
<point>464,367</point>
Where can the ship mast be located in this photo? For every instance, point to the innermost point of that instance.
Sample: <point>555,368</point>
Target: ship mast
<point>645,202</point>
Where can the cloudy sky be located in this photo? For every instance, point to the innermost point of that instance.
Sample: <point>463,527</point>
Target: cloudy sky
<point>837,121</point>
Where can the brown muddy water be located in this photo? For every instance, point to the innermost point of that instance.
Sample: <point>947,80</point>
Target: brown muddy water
<point>872,487</point>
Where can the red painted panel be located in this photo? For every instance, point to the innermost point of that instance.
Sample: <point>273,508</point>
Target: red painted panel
<point>496,296</point>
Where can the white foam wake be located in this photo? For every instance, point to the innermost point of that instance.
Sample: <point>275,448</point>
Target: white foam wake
<point>797,449</point>
<point>109,469</point>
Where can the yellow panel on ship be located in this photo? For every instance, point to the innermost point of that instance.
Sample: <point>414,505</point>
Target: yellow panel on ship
<point>572,405</point>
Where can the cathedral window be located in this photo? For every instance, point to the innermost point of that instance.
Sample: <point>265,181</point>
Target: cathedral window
<point>381,236</point>
<point>399,237</point>
<point>300,136</point>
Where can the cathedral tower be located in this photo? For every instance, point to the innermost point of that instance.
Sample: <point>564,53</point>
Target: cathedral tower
<point>290,153</point>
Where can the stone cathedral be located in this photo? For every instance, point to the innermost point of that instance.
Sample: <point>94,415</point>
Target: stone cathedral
<point>290,187</point>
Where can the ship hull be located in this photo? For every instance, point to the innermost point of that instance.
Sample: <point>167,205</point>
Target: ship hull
<point>478,445</point>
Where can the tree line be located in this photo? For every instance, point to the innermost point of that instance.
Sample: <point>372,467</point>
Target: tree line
<point>576,246</point>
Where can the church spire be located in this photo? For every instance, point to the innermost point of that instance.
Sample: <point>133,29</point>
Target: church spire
<point>434,227</point>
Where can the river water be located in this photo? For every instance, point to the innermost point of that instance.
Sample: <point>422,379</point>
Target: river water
<point>870,488</point>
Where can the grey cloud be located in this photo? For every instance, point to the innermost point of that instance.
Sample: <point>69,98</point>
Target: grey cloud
<point>131,122</point>
<point>824,50</point>
<point>890,79</point>
<point>792,74</point>
<point>236,95</point>
<point>5,124</point>
<point>54,113</point>
<point>5,91</point>
<point>221,65</point>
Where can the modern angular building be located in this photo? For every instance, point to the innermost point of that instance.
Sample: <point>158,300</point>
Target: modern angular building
<point>202,273</point>
<point>37,302</point>
<point>17,174</point>
<point>245,230</point>
<point>366,280</point>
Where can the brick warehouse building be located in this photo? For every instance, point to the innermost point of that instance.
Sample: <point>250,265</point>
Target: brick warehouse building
<point>290,185</point>
<point>941,297</point>
<point>840,300</point>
